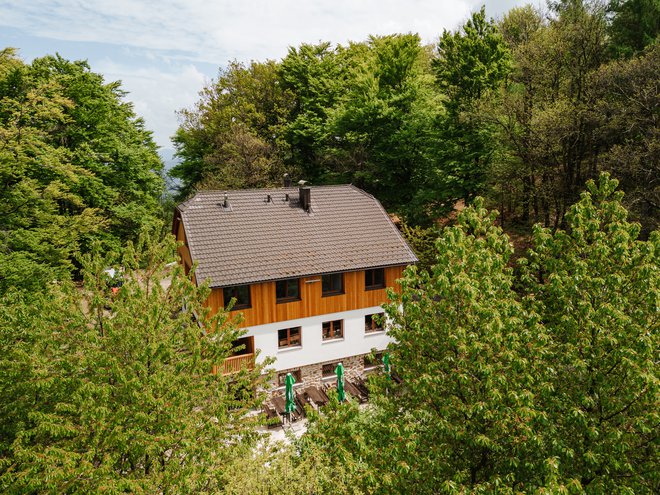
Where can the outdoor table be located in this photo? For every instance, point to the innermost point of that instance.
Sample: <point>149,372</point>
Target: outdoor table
<point>279,405</point>
<point>354,391</point>
<point>317,396</point>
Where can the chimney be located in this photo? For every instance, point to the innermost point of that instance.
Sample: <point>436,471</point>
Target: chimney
<point>287,180</point>
<point>304,195</point>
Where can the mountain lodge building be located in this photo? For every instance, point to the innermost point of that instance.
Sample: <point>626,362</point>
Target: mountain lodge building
<point>308,267</point>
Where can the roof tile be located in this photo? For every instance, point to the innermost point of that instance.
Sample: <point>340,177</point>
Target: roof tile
<point>255,241</point>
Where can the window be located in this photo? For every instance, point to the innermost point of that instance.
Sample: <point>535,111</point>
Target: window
<point>374,279</point>
<point>242,346</point>
<point>287,290</point>
<point>332,284</point>
<point>371,361</point>
<point>374,323</point>
<point>289,337</point>
<point>328,370</point>
<point>333,329</point>
<point>241,293</point>
<point>282,376</point>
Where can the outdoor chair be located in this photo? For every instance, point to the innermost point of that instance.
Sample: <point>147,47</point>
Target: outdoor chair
<point>273,419</point>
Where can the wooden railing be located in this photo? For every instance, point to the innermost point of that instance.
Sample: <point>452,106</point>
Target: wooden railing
<point>234,364</point>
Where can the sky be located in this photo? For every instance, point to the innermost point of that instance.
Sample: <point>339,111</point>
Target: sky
<point>166,51</point>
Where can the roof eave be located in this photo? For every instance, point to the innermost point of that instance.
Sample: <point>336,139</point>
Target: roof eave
<point>316,274</point>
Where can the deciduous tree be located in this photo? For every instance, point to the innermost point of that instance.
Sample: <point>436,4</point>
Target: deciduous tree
<point>470,64</point>
<point>76,165</point>
<point>234,136</point>
<point>597,289</point>
<point>542,382</point>
<point>115,394</point>
<point>635,25</point>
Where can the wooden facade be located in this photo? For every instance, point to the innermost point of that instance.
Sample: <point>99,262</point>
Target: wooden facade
<point>265,308</point>
<point>183,250</point>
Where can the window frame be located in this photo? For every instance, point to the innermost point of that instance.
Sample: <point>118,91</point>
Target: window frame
<point>239,304</point>
<point>332,367</point>
<point>287,298</point>
<point>333,292</point>
<point>289,345</point>
<point>369,279</point>
<point>367,364</point>
<point>282,376</point>
<point>372,328</point>
<point>332,330</point>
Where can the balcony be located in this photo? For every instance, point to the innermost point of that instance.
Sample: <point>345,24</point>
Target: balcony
<point>234,364</point>
<point>242,358</point>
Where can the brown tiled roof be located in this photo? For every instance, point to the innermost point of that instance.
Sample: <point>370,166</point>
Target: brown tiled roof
<point>253,240</point>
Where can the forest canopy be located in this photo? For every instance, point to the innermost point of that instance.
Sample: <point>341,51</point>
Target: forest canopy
<point>524,343</point>
<point>77,166</point>
<point>539,378</point>
<point>522,110</point>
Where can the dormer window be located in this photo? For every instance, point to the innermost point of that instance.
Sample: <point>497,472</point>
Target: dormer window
<point>287,290</point>
<point>240,292</point>
<point>374,279</point>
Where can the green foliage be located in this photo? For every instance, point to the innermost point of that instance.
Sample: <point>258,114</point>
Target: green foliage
<point>314,75</point>
<point>308,466</point>
<point>382,128</point>
<point>597,289</point>
<point>567,114</point>
<point>42,220</point>
<point>470,64</point>
<point>464,418</point>
<point>626,108</point>
<point>465,348</point>
<point>634,26</point>
<point>540,380</point>
<point>548,388</point>
<point>76,165</point>
<point>544,116</point>
<point>523,112</point>
<point>368,113</point>
<point>233,136</point>
<point>422,241</point>
<point>115,394</point>
<point>472,60</point>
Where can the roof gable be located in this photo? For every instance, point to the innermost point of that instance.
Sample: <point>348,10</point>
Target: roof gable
<point>255,240</point>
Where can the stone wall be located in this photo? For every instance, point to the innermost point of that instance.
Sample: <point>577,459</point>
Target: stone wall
<point>311,376</point>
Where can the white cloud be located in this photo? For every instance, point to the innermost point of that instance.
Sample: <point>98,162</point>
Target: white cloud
<point>165,46</point>
<point>156,92</point>
<point>222,29</point>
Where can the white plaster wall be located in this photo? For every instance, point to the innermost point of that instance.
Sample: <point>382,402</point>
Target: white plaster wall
<point>314,349</point>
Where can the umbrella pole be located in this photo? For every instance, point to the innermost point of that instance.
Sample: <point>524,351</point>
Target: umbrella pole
<point>388,371</point>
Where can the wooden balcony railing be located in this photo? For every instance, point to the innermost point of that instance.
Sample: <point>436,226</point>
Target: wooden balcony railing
<point>234,364</point>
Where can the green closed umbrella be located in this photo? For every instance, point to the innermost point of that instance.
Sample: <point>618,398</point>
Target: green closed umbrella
<point>290,405</point>
<point>339,371</point>
<point>386,365</point>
